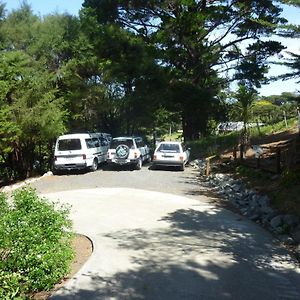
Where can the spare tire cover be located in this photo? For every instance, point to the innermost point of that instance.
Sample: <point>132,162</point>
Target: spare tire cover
<point>122,151</point>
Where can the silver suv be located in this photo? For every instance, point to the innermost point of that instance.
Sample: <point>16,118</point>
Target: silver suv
<point>128,151</point>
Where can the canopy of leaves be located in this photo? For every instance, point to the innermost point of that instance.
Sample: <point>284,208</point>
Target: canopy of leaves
<point>125,67</point>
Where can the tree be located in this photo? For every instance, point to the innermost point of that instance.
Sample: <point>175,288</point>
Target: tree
<point>293,61</point>
<point>198,43</point>
<point>133,83</point>
<point>31,115</point>
<point>266,112</point>
<point>245,98</point>
<point>31,110</point>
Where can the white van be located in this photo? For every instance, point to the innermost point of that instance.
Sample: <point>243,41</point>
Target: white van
<point>79,151</point>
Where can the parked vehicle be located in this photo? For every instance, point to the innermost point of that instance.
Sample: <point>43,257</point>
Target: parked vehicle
<point>108,136</point>
<point>235,126</point>
<point>128,151</point>
<point>170,154</point>
<point>79,151</point>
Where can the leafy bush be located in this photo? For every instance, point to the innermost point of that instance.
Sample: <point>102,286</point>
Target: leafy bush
<point>35,244</point>
<point>290,178</point>
<point>251,173</point>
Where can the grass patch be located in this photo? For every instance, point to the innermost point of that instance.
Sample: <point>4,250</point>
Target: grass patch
<point>213,145</point>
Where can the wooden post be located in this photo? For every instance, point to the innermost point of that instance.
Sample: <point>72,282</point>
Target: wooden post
<point>234,152</point>
<point>258,162</point>
<point>207,171</point>
<point>278,158</point>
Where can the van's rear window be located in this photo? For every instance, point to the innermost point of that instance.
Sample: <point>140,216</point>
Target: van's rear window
<point>69,144</point>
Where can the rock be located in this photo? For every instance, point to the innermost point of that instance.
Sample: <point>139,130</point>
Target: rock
<point>255,207</point>
<point>255,217</point>
<point>296,236</point>
<point>276,221</point>
<point>263,201</point>
<point>290,220</point>
<point>287,240</point>
<point>236,187</point>
<point>297,252</point>
<point>49,173</point>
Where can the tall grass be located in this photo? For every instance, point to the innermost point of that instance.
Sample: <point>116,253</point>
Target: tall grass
<point>273,128</point>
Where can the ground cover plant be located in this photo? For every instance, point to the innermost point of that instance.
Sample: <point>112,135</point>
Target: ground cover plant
<point>35,244</point>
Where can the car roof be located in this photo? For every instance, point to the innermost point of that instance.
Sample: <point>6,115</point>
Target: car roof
<point>170,142</point>
<point>77,136</point>
<point>126,137</point>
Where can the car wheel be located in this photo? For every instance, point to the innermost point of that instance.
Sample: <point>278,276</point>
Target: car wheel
<point>94,166</point>
<point>139,164</point>
<point>182,167</point>
<point>56,172</point>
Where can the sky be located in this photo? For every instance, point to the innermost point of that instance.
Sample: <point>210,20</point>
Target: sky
<point>44,7</point>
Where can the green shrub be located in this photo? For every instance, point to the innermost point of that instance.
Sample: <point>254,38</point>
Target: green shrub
<point>35,244</point>
<point>290,178</point>
<point>251,173</point>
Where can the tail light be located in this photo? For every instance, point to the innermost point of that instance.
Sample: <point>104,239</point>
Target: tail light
<point>135,155</point>
<point>84,156</point>
<point>55,157</point>
<point>108,155</point>
<point>181,157</point>
<point>154,157</point>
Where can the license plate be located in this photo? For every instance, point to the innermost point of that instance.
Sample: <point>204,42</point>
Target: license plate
<point>121,161</point>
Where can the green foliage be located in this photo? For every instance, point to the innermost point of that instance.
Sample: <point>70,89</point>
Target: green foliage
<point>35,244</point>
<point>251,173</point>
<point>290,178</point>
<point>267,112</point>
<point>213,145</point>
<point>245,97</point>
<point>277,127</point>
<point>189,41</point>
<point>118,65</point>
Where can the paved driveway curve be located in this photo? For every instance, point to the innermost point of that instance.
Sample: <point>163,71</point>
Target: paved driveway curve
<point>152,245</point>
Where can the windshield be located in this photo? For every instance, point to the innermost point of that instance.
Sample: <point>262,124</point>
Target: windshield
<point>169,148</point>
<point>69,144</point>
<point>115,143</point>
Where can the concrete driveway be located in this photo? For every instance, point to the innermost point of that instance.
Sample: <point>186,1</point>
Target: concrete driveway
<point>153,245</point>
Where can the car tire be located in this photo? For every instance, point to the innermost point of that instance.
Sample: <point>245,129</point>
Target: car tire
<point>94,166</point>
<point>139,164</point>
<point>182,167</point>
<point>122,151</point>
<point>56,172</point>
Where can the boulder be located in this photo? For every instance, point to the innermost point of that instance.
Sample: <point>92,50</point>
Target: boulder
<point>291,220</point>
<point>276,221</point>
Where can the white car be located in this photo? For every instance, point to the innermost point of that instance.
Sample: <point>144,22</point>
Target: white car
<point>79,151</point>
<point>130,151</point>
<point>170,154</point>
